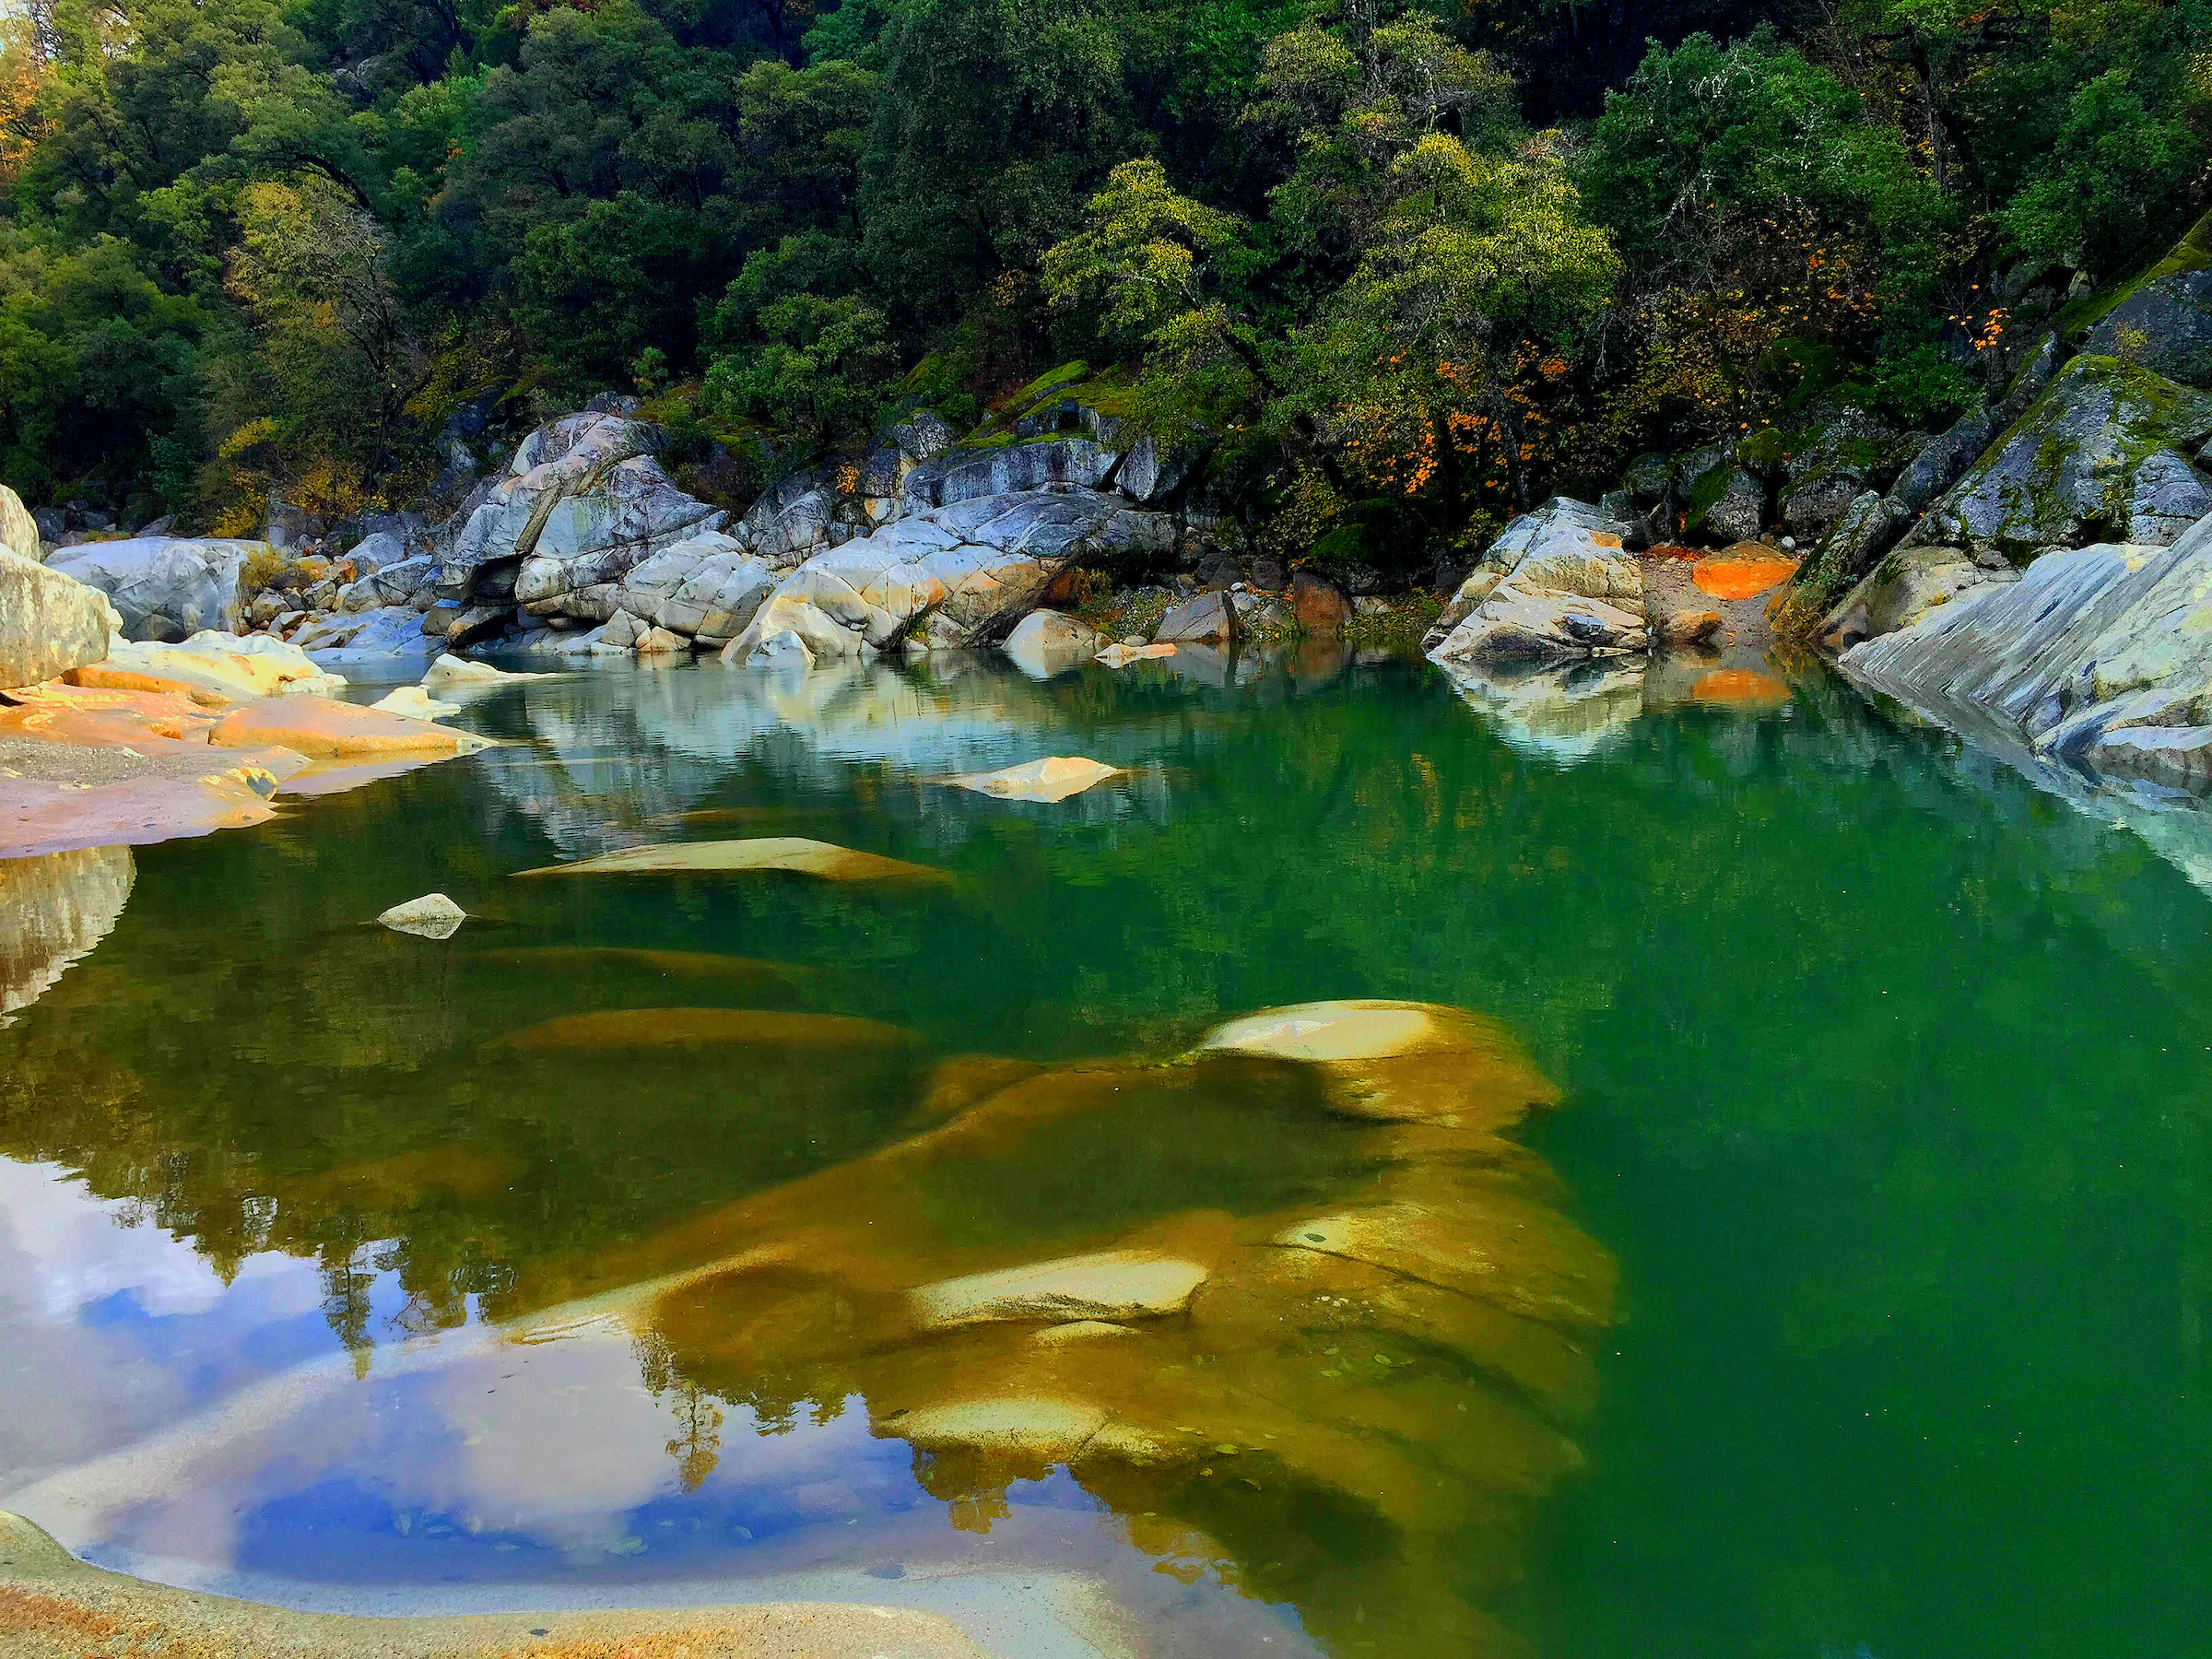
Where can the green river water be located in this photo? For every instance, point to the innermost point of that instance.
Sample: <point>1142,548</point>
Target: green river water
<point>1851,1301</point>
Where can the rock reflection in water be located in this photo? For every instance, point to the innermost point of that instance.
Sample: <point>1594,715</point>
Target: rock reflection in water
<point>54,909</point>
<point>1291,1307</point>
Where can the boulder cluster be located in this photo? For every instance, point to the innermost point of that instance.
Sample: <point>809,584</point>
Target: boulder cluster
<point>584,545</point>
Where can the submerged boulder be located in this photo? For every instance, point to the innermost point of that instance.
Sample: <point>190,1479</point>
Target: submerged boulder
<point>793,854</point>
<point>1055,778</point>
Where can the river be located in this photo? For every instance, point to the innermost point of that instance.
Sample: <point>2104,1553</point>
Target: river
<point>1826,1177</point>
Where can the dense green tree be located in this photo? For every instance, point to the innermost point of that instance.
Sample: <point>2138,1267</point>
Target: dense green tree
<point>1337,233</point>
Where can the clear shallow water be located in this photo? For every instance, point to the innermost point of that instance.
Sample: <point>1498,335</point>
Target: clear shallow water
<point>1884,1089</point>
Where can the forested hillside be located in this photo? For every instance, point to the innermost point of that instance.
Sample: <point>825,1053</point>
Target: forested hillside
<point>1414,266</point>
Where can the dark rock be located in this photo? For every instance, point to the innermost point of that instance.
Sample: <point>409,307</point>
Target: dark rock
<point>2102,456</point>
<point>1217,570</point>
<point>1320,605</point>
<point>1209,619</point>
<point>2165,326</point>
<point>1940,461</point>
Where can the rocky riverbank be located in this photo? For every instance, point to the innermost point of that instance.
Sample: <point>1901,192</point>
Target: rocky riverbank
<point>1058,532</point>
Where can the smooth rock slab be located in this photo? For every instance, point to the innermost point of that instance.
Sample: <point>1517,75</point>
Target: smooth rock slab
<point>44,817</point>
<point>238,669</point>
<point>791,853</point>
<point>324,729</point>
<point>1439,1247</point>
<point>1111,1285</point>
<point>1053,778</point>
<point>432,916</point>
<point>1028,1430</point>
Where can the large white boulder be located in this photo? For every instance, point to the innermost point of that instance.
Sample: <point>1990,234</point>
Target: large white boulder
<point>941,579</point>
<point>583,501</point>
<point>241,669</point>
<point>720,594</point>
<point>2083,646</point>
<point>162,583</point>
<point>19,530</point>
<point>1569,591</point>
<point>50,623</point>
<point>588,542</point>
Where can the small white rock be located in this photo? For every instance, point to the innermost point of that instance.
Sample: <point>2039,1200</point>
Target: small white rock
<point>415,704</point>
<point>432,916</point>
<point>452,673</point>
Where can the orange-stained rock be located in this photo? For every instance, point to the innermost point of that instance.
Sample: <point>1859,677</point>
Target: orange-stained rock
<point>1319,603</point>
<point>99,676</point>
<point>105,717</point>
<point>325,729</point>
<point>1690,627</point>
<point>1743,571</point>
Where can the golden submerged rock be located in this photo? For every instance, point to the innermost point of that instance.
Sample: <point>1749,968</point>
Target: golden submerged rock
<point>788,852</point>
<point>1291,1304</point>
